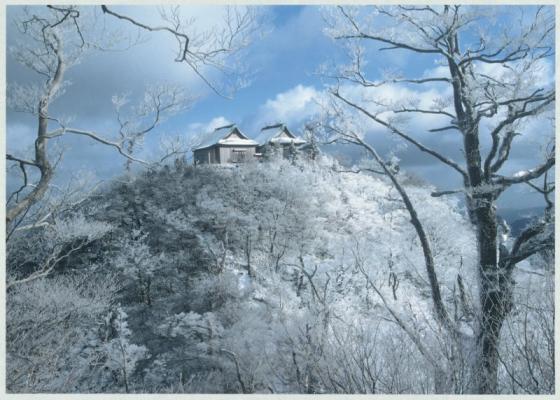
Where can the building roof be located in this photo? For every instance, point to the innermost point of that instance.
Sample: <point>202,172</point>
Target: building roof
<point>221,136</point>
<point>272,133</point>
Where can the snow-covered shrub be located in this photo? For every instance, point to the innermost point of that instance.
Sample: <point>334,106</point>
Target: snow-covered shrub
<point>77,227</point>
<point>53,340</point>
<point>527,345</point>
<point>37,252</point>
<point>121,355</point>
<point>139,265</point>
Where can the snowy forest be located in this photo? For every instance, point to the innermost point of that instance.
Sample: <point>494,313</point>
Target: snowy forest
<point>305,272</point>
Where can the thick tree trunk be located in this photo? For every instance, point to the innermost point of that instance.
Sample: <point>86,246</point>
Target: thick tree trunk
<point>495,298</point>
<point>494,283</point>
<point>487,363</point>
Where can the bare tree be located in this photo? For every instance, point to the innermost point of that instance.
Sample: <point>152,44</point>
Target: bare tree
<point>56,37</point>
<point>159,101</point>
<point>463,41</point>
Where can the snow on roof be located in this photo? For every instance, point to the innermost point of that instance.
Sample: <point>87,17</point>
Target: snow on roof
<point>271,133</point>
<point>221,136</point>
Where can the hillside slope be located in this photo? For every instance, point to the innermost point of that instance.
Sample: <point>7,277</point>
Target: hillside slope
<point>257,278</point>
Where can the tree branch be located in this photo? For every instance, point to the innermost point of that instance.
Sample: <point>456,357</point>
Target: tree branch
<point>400,322</point>
<point>99,139</point>
<point>446,192</point>
<point>398,132</point>
<point>440,311</point>
<point>179,35</point>
<point>237,370</point>
<point>524,246</point>
<point>361,35</point>
<point>22,161</point>
<point>445,128</point>
<point>419,110</point>
<point>525,176</point>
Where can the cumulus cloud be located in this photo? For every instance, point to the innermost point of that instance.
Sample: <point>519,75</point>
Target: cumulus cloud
<point>300,103</point>
<point>196,132</point>
<point>380,100</point>
<point>197,128</point>
<point>292,107</point>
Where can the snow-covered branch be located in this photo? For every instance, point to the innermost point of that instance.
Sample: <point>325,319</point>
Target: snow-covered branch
<point>403,135</point>
<point>527,175</point>
<point>218,46</point>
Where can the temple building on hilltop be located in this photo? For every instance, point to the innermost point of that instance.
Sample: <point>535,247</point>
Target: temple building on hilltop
<point>228,145</point>
<point>225,145</point>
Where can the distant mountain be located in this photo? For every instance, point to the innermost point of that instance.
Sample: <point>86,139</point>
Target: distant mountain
<point>519,218</point>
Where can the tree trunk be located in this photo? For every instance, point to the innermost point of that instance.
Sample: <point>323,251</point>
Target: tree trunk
<point>495,299</point>
<point>41,157</point>
<point>495,285</point>
<point>42,163</point>
<point>442,382</point>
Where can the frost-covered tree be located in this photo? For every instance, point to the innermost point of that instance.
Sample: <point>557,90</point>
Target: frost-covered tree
<point>293,153</point>
<point>272,151</point>
<point>35,252</point>
<point>53,343</point>
<point>122,356</point>
<point>311,137</point>
<point>139,265</point>
<point>490,76</point>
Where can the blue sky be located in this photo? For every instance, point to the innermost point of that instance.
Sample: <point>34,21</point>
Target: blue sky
<point>283,87</point>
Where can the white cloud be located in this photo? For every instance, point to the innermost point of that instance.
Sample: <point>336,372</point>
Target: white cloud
<point>541,73</point>
<point>440,71</point>
<point>204,127</point>
<point>300,103</point>
<point>395,96</point>
<point>216,123</point>
<point>291,107</point>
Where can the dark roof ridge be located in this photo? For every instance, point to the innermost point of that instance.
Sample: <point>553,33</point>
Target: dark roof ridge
<point>278,125</point>
<point>225,126</point>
